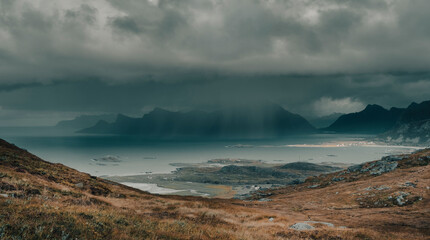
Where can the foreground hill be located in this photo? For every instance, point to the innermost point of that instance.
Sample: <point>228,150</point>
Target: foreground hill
<point>255,122</point>
<point>386,199</point>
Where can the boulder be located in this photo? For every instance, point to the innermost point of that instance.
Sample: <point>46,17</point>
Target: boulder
<point>323,223</point>
<point>409,184</point>
<point>301,227</point>
<point>308,225</point>
<point>401,198</point>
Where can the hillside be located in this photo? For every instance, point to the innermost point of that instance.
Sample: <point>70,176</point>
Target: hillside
<point>386,199</point>
<point>251,122</point>
<point>412,128</point>
<point>412,133</point>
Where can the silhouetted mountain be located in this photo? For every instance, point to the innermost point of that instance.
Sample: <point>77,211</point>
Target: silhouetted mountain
<point>324,121</point>
<point>84,121</point>
<point>376,119</point>
<point>416,112</point>
<point>413,126</point>
<point>254,122</point>
<point>373,119</point>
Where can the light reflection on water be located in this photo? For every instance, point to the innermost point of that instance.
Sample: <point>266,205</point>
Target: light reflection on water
<point>136,155</point>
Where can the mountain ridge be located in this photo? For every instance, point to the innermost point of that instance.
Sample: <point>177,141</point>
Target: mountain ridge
<point>376,119</point>
<point>268,121</point>
<point>84,121</point>
<point>373,119</point>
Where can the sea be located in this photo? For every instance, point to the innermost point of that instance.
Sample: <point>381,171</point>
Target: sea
<point>110,155</point>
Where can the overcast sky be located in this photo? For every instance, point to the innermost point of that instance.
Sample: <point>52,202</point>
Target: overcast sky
<point>62,58</point>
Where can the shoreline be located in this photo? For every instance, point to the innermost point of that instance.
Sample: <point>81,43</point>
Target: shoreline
<point>234,178</point>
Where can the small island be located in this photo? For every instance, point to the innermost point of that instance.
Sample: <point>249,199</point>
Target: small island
<point>227,177</point>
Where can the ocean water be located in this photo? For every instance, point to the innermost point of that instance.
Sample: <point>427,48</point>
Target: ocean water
<point>130,155</point>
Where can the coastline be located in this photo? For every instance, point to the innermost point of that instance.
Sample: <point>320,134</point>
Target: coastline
<point>225,178</point>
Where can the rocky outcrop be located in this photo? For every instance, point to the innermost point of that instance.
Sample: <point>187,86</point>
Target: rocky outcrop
<point>386,164</point>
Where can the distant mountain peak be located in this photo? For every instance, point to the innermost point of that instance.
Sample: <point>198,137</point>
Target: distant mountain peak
<point>416,112</point>
<point>413,104</point>
<point>374,107</point>
<point>84,121</point>
<point>159,111</point>
<point>373,119</point>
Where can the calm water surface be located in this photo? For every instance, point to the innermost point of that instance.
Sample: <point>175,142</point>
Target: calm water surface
<point>134,155</point>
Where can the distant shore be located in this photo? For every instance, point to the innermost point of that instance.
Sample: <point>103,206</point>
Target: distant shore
<point>352,144</point>
<point>225,178</point>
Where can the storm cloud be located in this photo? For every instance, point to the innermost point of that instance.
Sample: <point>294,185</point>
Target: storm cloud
<point>129,55</point>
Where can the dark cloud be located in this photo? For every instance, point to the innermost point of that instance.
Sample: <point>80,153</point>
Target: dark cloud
<point>126,24</point>
<point>297,93</point>
<point>132,38</point>
<point>125,56</point>
<point>85,13</point>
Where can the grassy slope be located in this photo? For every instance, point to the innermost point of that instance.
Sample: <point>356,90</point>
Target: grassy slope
<point>52,201</point>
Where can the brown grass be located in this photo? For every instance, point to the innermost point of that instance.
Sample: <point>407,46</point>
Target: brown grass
<point>47,201</point>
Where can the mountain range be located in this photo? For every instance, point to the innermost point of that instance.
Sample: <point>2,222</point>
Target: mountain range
<point>373,119</point>
<point>261,121</point>
<point>84,121</point>
<point>397,125</point>
<point>238,122</point>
